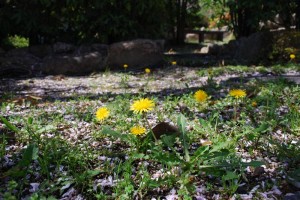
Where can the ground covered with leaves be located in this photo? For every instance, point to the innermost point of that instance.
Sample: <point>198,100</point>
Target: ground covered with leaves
<point>170,133</point>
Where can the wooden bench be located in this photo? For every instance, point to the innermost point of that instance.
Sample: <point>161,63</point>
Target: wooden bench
<point>215,34</point>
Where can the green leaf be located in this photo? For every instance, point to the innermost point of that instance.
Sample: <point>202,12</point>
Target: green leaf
<point>166,158</point>
<point>251,136</point>
<point>168,140</point>
<point>204,123</point>
<point>181,123</point>
<point>92,173</point>
<point>30,120</point>
<point>15,172</point>
<point>46,129</point>
<point>262,128</point>
<point>230,176</point>
<point>202,150</point>
<point>30,153</point>
<point>9,125</point>
<point>135,156</point>
<point>124,137</point>
<point>220,146</point>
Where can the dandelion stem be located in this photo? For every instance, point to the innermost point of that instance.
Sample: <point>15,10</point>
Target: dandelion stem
<point>148,124</point>
<point>235,110</point>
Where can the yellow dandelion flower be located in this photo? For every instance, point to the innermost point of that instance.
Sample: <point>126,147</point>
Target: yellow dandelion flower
<point>200,96</point>
<point>174,63</point>
<point>147,70</point>
<point>125,66</point>
<point>237,93</point>
<point>137,130</point>
<point>292,56</point>
<point>254,103</point>
<point>142,105</point>
<point>102,113</point>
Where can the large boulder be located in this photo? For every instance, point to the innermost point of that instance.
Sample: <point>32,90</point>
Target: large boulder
<point>18,62</point>
<point>248,50</point>
<point>254,48</point>
<point>41,51</point>
<point>61,47</point>
<point>83,60</point>
<point>2,52</point>
<point>138,53</point>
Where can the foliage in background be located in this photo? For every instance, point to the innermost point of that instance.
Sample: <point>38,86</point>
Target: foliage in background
<point>45,21</point>
<point>15,42</point>
<point>284,44</point>
<point>246,16</point>
<point>107,21</point>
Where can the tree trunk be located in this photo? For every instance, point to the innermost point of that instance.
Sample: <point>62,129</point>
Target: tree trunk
<point>298,15</point>
<point>181,20</point>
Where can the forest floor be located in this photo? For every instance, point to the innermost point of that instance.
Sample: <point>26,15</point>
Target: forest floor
<point>53,147</point>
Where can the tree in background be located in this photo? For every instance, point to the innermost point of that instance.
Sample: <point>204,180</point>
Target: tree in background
<point>246,16</point>
<point>47,21</point>
<point>297,14</point>
<point>182,14</point>
<point>107,21</point>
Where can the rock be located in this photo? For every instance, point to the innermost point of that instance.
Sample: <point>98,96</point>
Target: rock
<point>138,53</point>
<point>74,64</point>
<point>60,58</point>
<point>164,128</point>
<point>2,52</point>
<point>213,49</point>
<point>14,71</point>
<point>27,60</point>
<point>18,62</point>
<point>248,50</point>
<point>192,37</point>
<point>18,52</point>
<point>83,60</point>
<point>40,51</point>
<point>61,47</point>
<point>160,44</point>
<point>229,49</point>
<point>101,48</point>
<point>254,48</point>
<point>291,196</point>
<point>204,49</point>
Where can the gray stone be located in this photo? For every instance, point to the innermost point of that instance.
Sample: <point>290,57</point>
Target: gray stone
<point>18,52</point>
<point>40,51</point>
<point>254,48</point>
<point>74,64</point>
<point>230,48</point>
<point>60,48</point>
<point>18,62</point>
<point>101,48</point>
<point>248,50</point>
<point>292,196</point>
<point>138,53</point>
<point>2,52</point>
<point>57,59</point>
<point>161,44</point>
<point>204,49</point>
<point>213,49</point>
